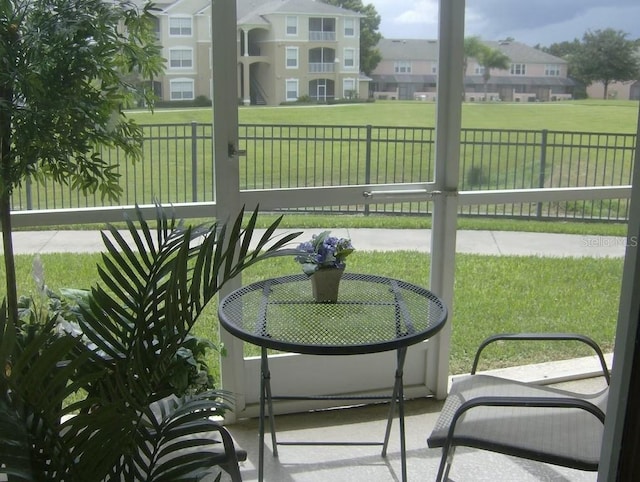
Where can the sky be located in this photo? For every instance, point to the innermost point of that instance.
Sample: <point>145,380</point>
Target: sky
<point>531,22</point>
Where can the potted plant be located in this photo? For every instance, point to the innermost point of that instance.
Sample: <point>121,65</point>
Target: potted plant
<point>323,260</point>
<point>98,399</point>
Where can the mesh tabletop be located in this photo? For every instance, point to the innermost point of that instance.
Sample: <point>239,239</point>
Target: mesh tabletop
<point>373,313</point>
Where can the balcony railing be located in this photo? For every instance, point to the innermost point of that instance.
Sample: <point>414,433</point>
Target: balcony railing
<point>321,67</point>
<point>321,36</point>
<point>177,167</point>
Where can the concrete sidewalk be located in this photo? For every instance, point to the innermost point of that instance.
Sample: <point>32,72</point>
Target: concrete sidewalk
<point>480,242</point>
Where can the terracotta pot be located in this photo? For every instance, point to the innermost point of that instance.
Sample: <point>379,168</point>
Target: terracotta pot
<point>325,284</point>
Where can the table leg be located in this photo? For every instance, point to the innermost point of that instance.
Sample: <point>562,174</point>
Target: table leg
<point>398,397</point>
<point>265,396</point>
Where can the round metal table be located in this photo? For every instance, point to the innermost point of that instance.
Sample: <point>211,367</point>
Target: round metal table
<point>373,314</point>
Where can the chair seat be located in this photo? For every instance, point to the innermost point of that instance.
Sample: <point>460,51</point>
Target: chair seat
<point>565,436</point>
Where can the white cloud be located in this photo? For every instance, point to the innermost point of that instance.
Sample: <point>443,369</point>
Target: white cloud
<point>529,22</point>
<point>422,11</point>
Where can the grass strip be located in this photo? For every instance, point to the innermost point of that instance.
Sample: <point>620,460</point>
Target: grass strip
<point>492,294</point>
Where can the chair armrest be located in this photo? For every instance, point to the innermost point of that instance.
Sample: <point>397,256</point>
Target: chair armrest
<point>236,454</point>
<point>544,336</point>
<point>544,402</point>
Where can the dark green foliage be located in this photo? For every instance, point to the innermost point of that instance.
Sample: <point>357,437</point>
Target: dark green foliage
<point>106,365</point>
<point>68,68</point>
<point>607,56</point>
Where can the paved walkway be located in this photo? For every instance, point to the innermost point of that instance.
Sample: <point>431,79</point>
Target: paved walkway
<point>481,242</point>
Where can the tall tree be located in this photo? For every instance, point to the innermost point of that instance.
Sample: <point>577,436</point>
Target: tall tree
<point>569,51</point>
<point>472,48</point>
<point>564,50</point>
<point>491,58</point>
<point>607,56</point>
<point>63,88</point>
<point>369,32</point>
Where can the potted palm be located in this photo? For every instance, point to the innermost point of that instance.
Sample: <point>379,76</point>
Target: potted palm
<point>98,401</point>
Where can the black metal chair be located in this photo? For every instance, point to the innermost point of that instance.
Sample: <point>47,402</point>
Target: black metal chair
<point>530,421</point>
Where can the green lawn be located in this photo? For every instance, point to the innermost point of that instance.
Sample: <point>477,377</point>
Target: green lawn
<point>579,116</point>
<point>492,294</point>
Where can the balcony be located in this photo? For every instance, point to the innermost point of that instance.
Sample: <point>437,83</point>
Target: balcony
<point>322,36</point>
<point>321,67</point>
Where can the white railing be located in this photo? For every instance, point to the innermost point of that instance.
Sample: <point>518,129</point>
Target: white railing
<point>319,36</point>
<point>321,67</point>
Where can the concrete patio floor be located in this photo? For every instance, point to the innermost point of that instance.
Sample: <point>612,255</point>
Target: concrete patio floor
<point>367,423</point>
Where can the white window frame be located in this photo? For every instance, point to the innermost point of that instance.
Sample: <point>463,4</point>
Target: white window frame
<point>182,61</point>
<point>287,25</point>
<point>552,70</point>
<point>478,69</point>
<point>402,66</point>
<point>296,82</point>
<point>349,58</point>
<point>184,80</point>
<point>296,54</point>
<point>353,87</point>
<point>183,30</point>
<point>518,69</point>
<point>349,26</point>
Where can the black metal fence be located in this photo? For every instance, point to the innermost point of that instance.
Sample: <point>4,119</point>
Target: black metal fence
<point>177,166</point>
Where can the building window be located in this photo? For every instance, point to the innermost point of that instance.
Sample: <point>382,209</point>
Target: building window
<point>402,67</point>
<point>518,69</point>
<point>292,57</point>
<point>349,58</point>
<point>478,70</point>
<point>292,26</point>
<point>552,70</point>
<point>349,27</point>
<point>292,90</point>
<point>180,26</point>
<point>349,89</point>
<point>181,58</point>
<point>181,89</point>
<point>434,68</point>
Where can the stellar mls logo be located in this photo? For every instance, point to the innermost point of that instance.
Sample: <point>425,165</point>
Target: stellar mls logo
<point>609,242</point>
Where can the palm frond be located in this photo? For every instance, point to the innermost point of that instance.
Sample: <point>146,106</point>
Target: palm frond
<point>135,325</point>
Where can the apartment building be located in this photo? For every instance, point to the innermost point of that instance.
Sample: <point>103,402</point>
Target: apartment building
<point>286,49</point>
<point>409,69</point>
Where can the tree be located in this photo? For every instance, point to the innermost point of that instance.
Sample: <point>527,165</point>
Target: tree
<point>491,58</point>
<point>63,88</point>
<point>607,56</point>
<point>472,48</point>
<point>569,51</point>
<point>369,34</point>
<point>564,50</point>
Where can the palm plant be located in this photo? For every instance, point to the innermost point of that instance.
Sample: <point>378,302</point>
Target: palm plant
<point>491,59</point>
<point>124,421</point>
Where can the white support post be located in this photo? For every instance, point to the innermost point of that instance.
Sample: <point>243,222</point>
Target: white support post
<point>445,205</point>
<point>626,340</point>
<point>226,168</point>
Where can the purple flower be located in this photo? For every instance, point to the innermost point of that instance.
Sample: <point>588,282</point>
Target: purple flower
<point>323,251</point>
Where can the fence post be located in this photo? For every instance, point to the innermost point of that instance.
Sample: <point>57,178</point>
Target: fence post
<point>367,163</point>
<point>194,161</point>
<point>543,165</point>
<point>29,194</point>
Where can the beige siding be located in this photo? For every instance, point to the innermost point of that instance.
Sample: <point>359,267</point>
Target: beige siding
<point>264,58</point>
